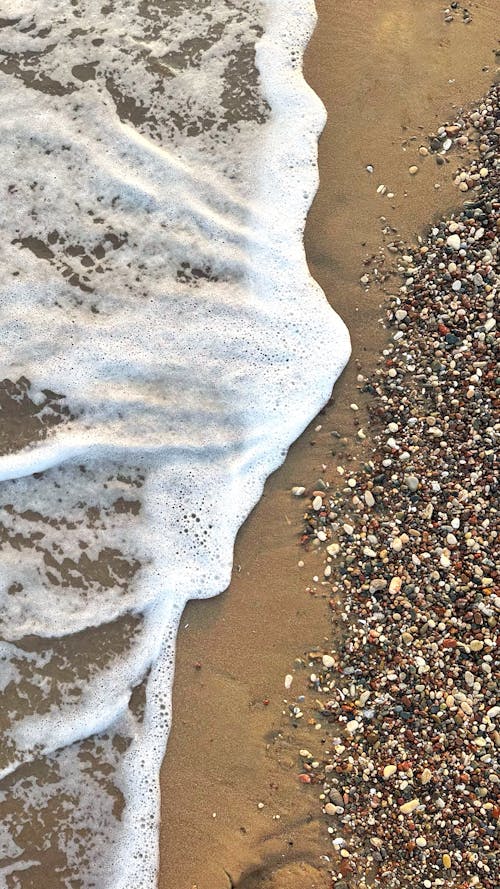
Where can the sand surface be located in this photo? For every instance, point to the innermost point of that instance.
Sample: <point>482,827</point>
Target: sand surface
<point>389,73</point>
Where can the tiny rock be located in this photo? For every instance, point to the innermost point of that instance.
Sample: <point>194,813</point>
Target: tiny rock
<point>453,241</point>
<point>409,807</point>
<point>426,776</point>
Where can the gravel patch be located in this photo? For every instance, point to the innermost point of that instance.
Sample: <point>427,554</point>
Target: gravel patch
<point>407,697</point>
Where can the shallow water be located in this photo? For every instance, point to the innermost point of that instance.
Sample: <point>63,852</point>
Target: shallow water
<point>162,345</point>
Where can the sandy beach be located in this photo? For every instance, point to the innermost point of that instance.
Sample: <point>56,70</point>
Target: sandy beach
<point>334,711</point>
<point>233,811</point>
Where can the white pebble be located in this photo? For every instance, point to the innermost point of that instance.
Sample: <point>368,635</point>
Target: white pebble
<point>453,241</point>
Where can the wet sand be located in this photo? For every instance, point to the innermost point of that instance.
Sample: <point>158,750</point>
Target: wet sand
<point>388,72</point>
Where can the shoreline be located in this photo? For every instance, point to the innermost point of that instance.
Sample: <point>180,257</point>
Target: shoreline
<point>230,706</point>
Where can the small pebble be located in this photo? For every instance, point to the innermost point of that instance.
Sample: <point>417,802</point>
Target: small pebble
<point>453,241</point>
<point>409,807</point>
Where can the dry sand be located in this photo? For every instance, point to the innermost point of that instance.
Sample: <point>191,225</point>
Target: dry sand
<point>388,70</point>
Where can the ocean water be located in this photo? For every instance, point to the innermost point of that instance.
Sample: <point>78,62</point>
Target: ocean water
<point>161,345</point>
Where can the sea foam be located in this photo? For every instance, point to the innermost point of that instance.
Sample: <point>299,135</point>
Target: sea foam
<point>162,344</point>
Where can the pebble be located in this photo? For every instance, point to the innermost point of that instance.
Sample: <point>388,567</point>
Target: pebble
<point>298,491</point>
<point>328,661</point>
<point>453,241</point>
<point>317,503</point>
<point>412,482</point>
<point>389,771</point>
<point>413,170</point>
<point>369,498</point>
<point>288,681</point>
<point>332,549</point>
<point>395,585</point>
<point>410,806</point>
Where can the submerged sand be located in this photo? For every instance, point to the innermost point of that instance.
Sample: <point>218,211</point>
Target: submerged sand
<point>232,806</point>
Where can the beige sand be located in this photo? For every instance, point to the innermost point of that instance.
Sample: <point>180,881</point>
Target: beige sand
<point>388,70</point>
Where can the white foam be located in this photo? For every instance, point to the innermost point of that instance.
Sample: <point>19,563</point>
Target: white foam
<point>156,278</point>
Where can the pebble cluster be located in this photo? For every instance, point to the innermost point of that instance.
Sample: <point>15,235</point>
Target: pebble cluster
<point>456,11</point>
<point>406,699</point>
